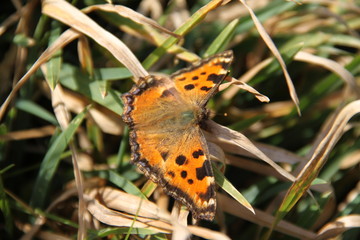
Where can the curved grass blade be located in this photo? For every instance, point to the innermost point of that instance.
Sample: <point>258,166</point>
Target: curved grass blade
<point>316,162</point>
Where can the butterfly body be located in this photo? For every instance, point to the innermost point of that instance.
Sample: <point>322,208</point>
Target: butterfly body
<point>165,115</point>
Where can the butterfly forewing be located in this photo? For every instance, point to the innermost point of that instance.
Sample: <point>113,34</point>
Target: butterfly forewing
<point>198,82</point>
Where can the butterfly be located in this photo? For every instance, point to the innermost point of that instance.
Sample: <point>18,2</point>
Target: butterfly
<point>165,115</point>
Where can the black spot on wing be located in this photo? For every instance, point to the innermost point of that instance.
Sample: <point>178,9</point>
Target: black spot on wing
<point>215,78</point>
<point>195,78</point>
<point>190,181</point>
<point>183,174</point>
<point>180,160</point>
<point>181,79</point>
<point>202,73</point>
<point>189,86</point>
<point>206,89</point>
<point>198,153</point>
<point>204,170</point>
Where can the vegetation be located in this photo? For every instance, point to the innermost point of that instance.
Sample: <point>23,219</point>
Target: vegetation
<point>64,159</point>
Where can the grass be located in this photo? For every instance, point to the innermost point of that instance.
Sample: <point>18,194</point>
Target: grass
<point>64,159</point>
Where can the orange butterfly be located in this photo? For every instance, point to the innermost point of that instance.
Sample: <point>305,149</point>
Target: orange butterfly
<point>165,115</point>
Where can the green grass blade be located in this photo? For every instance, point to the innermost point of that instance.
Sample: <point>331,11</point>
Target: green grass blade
<point>230,189</point>
<point>185,28</point>
<point>270,10</point>
<point>122,149</point>
<point>74,79</point>
<point>221,41</point>
<point>118,231</point>
<point>53,66</point>
<point>108,74</point>
<point>36,110</point>
<point>121,182</point>
<point>5,205</point>
<point>51,161</point>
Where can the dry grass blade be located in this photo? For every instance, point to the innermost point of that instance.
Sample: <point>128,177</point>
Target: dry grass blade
<point>318,159</point>
<point>136,213</point>
<point>252,166</point>
<point>242,85</point>
<point>346,5</point>
<point>63,117</point>
<point>180,232</point>
<point>128,203</point>
<point>332,66</point>
<point>337,227</point>
<point>231,91</point>
<point>106,120</point>
<point>29,133</point>
<point>207,233</point>
<point>333,134</point>
<point>30,232</point>
<point>262,218</point>
<point>350,160</point>
<point>62,41</point>
<point>221,134</point>
<point>8,22</point>
<point>261,149</point>
<point>114,218</point>
<point>129,13</point>
<point>41,220</point>
<point>276,53</point>
<point>73,17</point>
<point>279,154</point>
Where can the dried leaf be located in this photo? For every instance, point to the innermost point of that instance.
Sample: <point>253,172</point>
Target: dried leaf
<point>337,227</point>
<point>276,53</point>
<point>29,133</point>
<point>97,201</point>
<point>262,218</point>
<point>318,158</point>
<point>108,121</point>
<point>244,86</point>
<point>220,134</point>
<point>331,65</point>
<point>65,38</point>
<point>129,13</point>
<point>73,17</point>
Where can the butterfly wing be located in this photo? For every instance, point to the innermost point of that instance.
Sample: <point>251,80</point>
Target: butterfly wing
<point>168,146</point>
<point>199,82</point>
